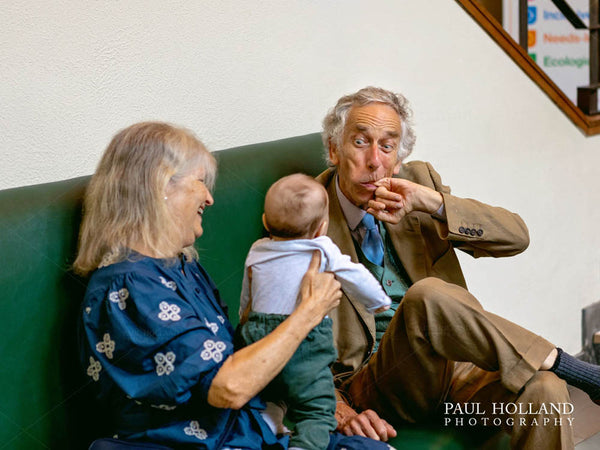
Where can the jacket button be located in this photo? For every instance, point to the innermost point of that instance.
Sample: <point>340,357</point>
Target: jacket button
<point>467,231</point>
<point>479,232</point>
<point>473,232</point>
<point>461,230</point>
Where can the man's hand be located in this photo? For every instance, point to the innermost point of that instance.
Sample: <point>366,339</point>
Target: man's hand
<point>396,197</point>
<point>366,424</point>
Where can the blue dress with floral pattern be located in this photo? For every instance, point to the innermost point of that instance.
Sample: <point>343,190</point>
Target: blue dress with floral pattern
<point>154,334</point>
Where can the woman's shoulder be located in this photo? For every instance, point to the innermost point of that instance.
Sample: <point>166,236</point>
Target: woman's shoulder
<point>135,271</point>
<point>136,263</point>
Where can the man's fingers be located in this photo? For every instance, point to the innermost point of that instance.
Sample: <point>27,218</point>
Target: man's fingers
<point>369,424</point>
<point>380,428</point>
<point>391,431</point>
<point>379,425</point>
<point>381,193</point>
<point>348,431</point>
<point>374,204</point>
<point>386,216</point>
<point>390,205</point>
<point>361,426</point>
<point>384,182</point>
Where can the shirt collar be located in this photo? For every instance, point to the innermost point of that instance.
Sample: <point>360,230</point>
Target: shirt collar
<point>352,213</point>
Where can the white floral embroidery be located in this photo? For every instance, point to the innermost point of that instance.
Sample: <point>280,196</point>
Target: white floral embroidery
<point>164,363</point>
<point>119,297</point>
<point>165,407</point>
<point>169,312</point>
<point>221,319</point>
<point>213,350</point>
<point>88,310</point>
<point>94,369</point>
<point>213,326</point>
<point>106,346</point>
<point>195,430</point>
<point>137,402</point>
<point>170,284</point>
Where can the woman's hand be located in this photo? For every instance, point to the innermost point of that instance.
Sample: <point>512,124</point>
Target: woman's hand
<point>319,292</point>
<point>245,373</point>
<point>396,197</point>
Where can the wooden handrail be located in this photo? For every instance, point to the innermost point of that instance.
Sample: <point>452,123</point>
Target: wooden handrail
<point>590,125</point>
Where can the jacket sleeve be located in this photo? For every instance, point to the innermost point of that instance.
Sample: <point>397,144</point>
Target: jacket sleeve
<point>477,228</point>
<point>357,282</point>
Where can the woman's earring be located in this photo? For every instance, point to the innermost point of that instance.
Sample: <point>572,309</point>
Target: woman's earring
<point>165,197</point>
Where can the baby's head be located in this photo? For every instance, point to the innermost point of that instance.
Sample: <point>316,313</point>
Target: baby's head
<point>296,207</point>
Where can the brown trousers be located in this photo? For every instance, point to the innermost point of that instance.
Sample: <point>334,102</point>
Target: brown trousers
<point>442,346</point>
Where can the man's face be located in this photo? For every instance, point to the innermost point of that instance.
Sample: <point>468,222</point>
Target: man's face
<point>369,151</point>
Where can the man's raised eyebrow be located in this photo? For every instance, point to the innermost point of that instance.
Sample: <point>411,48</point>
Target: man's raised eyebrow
<point>389,133</point>
<point>392,134</point>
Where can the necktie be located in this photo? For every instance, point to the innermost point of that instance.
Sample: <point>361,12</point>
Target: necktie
<point>372,245</point>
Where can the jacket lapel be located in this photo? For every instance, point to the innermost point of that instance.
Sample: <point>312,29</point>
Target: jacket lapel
<point>408,242</point>
<point>340,234</point>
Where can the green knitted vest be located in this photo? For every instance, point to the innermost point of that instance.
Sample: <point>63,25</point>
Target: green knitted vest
<point>392,277</point>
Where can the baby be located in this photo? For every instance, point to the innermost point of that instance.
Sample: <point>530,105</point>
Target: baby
<point>296,214</point>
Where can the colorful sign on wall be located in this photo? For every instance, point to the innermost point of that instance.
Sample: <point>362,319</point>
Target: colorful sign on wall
<point>559,49</point>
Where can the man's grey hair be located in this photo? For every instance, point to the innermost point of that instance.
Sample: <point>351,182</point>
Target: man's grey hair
<point>335,120</point>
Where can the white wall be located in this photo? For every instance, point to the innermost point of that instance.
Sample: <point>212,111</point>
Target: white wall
<point>239,72</point>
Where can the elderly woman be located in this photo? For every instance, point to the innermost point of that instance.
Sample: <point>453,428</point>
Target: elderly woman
<point>155,336</point>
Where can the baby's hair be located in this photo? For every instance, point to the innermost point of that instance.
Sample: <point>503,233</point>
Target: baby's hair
<point>295,207</point>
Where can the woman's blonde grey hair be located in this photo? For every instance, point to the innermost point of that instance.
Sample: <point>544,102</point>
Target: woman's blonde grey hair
<point>335,120</point>
<point>125,205</point>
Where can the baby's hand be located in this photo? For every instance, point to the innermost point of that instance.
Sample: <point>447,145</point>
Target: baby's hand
<point>382,309</point>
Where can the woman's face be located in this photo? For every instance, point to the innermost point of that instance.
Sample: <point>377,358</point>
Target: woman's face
<point>187,198</point>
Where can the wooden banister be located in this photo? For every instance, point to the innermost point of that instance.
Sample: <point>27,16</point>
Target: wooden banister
<point>590,125</point>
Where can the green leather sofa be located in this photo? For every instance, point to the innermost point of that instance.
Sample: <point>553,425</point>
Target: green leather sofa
<point>47,401</point>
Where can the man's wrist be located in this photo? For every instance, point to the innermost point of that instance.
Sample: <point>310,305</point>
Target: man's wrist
<point>440,214</point>
<point>435,201</point>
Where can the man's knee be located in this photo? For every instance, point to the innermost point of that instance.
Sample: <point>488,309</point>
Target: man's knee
<point>427,291</point>
<point>435,293</point>
<point>425,288</point>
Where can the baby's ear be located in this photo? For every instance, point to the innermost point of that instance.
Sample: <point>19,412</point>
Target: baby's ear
<point>264,220</point>
<point>322,230</point>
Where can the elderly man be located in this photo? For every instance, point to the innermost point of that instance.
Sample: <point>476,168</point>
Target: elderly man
<point>437,348</point>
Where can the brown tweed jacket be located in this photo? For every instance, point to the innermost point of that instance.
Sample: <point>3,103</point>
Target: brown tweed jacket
<point>425,246</point>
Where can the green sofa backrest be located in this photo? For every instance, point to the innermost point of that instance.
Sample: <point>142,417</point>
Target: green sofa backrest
<point>234,222</point>
<point>47,400</point>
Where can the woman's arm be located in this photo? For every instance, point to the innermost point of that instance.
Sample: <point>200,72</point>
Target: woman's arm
<point>245,373</point>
